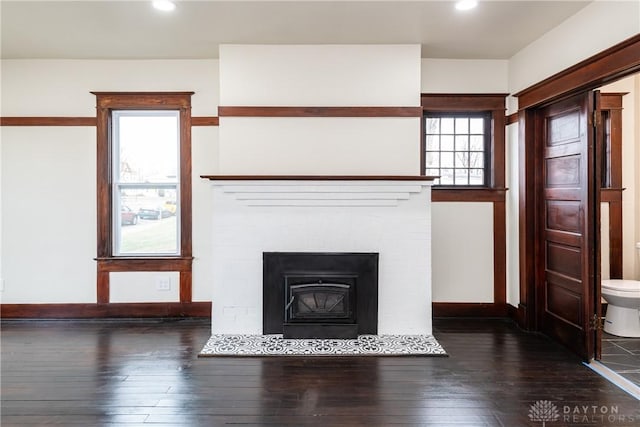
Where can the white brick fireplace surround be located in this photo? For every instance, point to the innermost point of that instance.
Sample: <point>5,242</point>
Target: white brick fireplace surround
<point>387,215</point>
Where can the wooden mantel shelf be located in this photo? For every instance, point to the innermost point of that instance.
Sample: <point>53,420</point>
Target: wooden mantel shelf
<point>318,177</point>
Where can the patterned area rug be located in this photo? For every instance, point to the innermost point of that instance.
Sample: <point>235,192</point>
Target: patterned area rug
<point>364,345</point>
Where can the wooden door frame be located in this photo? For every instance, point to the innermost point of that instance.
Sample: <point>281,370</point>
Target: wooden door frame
<point>617,62</point>
<point>612,190</point>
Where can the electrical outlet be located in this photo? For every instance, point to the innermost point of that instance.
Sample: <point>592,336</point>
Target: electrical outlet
<point>163,283</point>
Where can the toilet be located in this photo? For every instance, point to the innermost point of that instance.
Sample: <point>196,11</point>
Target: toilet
<point>623,313</point>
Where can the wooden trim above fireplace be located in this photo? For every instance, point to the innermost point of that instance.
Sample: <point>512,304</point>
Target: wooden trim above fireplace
<point>318,177</point>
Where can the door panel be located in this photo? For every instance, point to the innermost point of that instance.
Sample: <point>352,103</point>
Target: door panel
<point>568,215</point>
<point>564,216</point>
<point>564,302</point>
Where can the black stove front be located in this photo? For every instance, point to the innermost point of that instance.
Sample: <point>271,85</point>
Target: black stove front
<point>320,295</point>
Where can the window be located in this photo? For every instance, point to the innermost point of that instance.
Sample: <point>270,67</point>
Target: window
<point>463,144</point>
<point>144,185</point>
<point>145,188</point>
<point>456,147</point>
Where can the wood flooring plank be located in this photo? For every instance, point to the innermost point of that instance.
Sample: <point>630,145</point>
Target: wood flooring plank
<point>135,373</point>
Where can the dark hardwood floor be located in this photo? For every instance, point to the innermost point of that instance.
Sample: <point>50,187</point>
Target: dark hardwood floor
<point>135,372</point>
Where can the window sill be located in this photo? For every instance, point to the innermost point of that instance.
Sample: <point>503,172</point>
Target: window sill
<point>467,194</point>
<point>146,263</point>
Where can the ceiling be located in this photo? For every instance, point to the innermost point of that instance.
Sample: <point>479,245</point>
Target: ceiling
<point>92,29</point>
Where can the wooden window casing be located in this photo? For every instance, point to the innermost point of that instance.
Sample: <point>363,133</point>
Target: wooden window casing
<point>493,104</point>
<point>107,102</point>
<point>455,150</point>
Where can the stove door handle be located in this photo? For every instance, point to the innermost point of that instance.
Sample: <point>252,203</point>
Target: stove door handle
<point>290,302</point>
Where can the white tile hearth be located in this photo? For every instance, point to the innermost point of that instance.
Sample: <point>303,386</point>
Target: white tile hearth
<point>364,345</point>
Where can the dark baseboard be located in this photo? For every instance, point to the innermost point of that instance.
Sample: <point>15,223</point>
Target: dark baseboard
<point>465,309</point>
<point>110,310</point>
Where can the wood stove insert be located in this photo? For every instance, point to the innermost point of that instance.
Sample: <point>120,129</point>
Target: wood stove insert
<point>320,295</point>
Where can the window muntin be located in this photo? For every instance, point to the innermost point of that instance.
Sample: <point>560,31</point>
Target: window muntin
<point>146,171</point>
<point>457,148</point>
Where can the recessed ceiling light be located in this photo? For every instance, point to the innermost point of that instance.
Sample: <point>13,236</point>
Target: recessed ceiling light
<point>466,4</point>
<point>164,5</point>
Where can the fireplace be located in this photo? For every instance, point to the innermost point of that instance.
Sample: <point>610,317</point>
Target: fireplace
<point>389,216</point>
<point>320,295</point>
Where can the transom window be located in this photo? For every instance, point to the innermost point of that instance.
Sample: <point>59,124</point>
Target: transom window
<point>457,148</point>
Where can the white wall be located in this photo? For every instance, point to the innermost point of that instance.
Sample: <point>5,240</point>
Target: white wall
<point>205,156</point>
<point>61,87</point>
<point>48,215</point>
<point>465,75</point>
<point>295,75</point>
<point>462,255</point>
<point>320,145</point>
<point>144,286</point>
<point>48,176</point>
<point>308,75</point>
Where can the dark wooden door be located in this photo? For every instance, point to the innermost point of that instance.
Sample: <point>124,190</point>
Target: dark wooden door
<point>569,235</point>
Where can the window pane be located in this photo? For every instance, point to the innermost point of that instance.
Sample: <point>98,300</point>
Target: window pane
<point>462,176</point>
<point>476,177</point>
<point>147,221</point>
<point>432,125</point>
<point>476,126</point>
<point>462,125</point>
<point>446,159</point>
<point>462,160</point>
<point>145,188</point>
<point>446,176</point>
<point>476,160</point>
<point>476,143</point>
<point>446,125</point>
<point>147,147</point>
<point>462,143</point>
<point>433,142</point>
<point>433,160</point>
<point>432,172</point>
<point>446,143</point>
